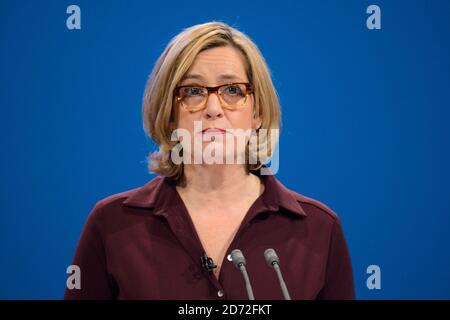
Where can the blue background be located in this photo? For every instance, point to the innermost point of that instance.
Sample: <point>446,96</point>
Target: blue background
<point>366,125</point>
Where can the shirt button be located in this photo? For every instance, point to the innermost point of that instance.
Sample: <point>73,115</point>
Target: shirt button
<point>220,293</point>
<point>229,257</point>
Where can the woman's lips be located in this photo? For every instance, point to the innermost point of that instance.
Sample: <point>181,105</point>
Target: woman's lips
<point>213,131</point>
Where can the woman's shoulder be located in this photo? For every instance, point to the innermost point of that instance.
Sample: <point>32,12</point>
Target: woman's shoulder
<point>314,203</point>
<point>311,206</point>
<point>143,196</point>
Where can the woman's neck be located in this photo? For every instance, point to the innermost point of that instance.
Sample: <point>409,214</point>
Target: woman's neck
<point>209,184</point>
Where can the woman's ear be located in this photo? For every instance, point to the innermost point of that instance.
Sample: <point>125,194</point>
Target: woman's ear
<point>256,122</point>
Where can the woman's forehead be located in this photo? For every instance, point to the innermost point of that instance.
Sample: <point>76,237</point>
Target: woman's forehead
<point>222,63</point>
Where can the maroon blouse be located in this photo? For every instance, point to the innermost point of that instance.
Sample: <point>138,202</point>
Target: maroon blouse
<point>141,244</point>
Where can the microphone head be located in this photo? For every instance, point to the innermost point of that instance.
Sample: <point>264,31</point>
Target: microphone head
<point>271,257</point>
<point>238,258</point>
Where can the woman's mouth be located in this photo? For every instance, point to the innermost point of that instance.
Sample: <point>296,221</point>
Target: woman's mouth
<point>214,131</point>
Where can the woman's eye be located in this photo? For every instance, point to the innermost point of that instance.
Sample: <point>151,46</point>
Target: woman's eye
<point>193,91</point>
<point>233,90</point>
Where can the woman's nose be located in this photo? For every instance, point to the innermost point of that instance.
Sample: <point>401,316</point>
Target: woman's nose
<point>213,107</point>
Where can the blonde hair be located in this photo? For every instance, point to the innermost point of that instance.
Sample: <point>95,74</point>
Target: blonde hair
<point>158,101</point>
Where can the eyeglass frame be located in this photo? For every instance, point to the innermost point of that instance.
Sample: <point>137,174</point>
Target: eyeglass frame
<point>248,91</point>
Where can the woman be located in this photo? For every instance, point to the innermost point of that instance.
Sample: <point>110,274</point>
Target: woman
<point>172,238</point>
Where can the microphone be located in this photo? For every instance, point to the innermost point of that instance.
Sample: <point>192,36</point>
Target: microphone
<point>208,264</point>
<point>273,261</point>
<point>239,261</point>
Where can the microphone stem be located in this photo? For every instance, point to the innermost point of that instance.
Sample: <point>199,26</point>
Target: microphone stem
<point>248,286</point>
<point>284,289</point>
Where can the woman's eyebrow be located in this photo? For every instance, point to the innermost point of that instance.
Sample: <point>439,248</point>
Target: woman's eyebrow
<point>226,76</point>
<point>229,77</point>
<point>192,76</point>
